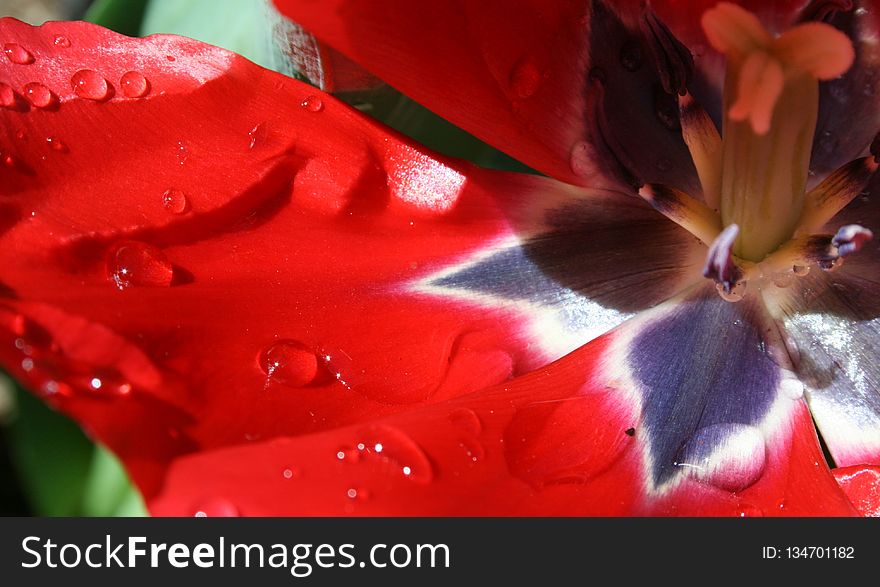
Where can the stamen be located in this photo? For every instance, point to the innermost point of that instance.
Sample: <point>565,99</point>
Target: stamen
<point>704,143</point>
<point>721,268</point>
<point>720,265</point>
<point>674,61</point>
<point>824,201</point>
<point>689,213</point>
<point>771,98</point>
<point>851,238</point>
<point>825,250</point>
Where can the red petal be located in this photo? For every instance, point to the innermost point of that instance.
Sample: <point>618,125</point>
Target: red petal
<point>235,255</point>
<point>861,483</point>
<point>516,82</point>
<point>554,442</point>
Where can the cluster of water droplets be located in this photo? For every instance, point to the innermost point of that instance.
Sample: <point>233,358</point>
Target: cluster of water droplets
<point>85,83</point>
<point>48,369</point>
<point>391,450</point>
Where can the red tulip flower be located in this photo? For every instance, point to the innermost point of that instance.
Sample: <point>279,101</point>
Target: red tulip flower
<point>266,303</point>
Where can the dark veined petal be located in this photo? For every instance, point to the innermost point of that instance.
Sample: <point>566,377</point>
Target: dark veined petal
<point>833,319</point>
<point>197,252</point>
<point>591,434</point>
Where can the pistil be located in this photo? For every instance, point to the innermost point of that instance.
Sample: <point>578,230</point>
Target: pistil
<point>771,100</point>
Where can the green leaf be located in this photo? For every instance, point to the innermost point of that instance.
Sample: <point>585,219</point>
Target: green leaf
<point>61,471</point>
<point>51,455</point>
<point>122,16</point>
<point>108,490</point>
<point>242,26</point>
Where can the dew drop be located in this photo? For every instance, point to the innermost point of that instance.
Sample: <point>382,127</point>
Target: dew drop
<point>56,144</point>
<point>525,78</point>
<point>56,388</point>
<point>398,453</point>
<point>90,85</point>
<point>793,388</point>
<point>8,160</point>
<point>357,493</point>
<point>61,41</point>
<point>257,135</point>
<point>216,508</point>
<point>350,455</point>
<point>801,270</point>
<point>831,266</point>
<point>39,95</point>
<point>17,54</point>
<point>7,96</point>
<point>175,201</point>
<point>580,160</point>
<point>736,293</point>
<point>290,363</point>
<point>134,85</point>
<point>473,450</point>
<point>783,279</point>
<point>466,419</point>
<point>313,103</point>
<point>746,510</point>
<point>288,473</point>
<point>106,383</point>
<point>182,152</point>
<point>133,263</point>
<point>731,457</point>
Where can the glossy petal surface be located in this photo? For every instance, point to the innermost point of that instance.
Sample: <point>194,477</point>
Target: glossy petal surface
<point>832,318</point>
<point>574,438</point>
<point>277,264</point>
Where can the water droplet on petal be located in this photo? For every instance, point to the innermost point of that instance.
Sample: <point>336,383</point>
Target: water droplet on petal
<point>313,104</point>
<point>832,266</point>
<point>134,85</point>
<point>175,201</point>
<point>357,493</point>
<point>525,78</point>
<point>61,41</point>
<point>746,510</point>
<point>90,85</point>
<point>581,161</point>
<point>736,293</point>
<point>39,95</point>
<point>473,450</point>
<point>7,96</point>
<point>182,152</point>
<point>257,135</point>
<point>783,279</point>
<point>56,144</point>
<point>398,452</point>
<point>577,457</point>
<point>290,363</point>
<point>793,388</point>
<point>289,473</point>
<point>217,508</point>
<point>466,419</point>
<point>729,456</point>
<point>801,270</point>
<point>133,263</point>
<point>17,54</point>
